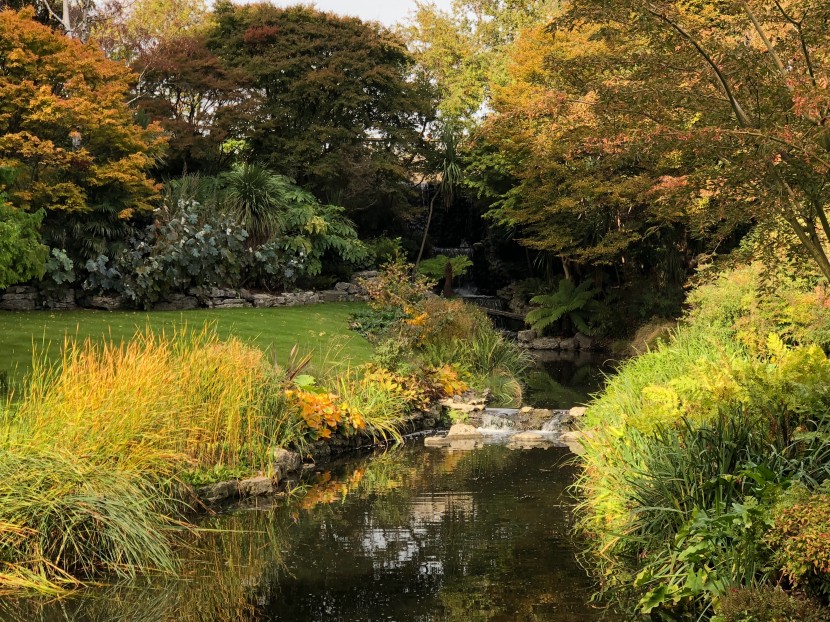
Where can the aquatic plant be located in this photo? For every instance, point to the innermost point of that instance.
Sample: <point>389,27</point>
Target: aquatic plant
<point>65,518</point>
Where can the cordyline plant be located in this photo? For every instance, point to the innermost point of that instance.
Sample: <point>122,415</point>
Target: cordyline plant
<point>724,105</point>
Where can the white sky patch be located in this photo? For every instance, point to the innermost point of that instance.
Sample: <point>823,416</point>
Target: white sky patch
<point>388,12</point>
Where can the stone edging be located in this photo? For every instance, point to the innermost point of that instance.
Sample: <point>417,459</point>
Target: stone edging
<point>288,464</point>
<point>30,298</point>
<point>532,341</point>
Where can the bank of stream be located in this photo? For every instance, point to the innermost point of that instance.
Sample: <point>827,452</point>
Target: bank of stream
<point>409,534</point>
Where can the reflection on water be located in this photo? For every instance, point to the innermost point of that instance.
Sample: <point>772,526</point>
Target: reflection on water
<point>563,379</point>
<point>412,535</point>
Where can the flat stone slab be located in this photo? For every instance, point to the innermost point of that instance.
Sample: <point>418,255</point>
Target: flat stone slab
<point>546,343</point>
<point>529,440</point>
<point>436,441</point>
<point>462,431</point>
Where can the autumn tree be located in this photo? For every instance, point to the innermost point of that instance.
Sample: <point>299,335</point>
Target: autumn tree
<point>548,176</point>
<point>69,136</point>
<point>340,111</point>
<point>740,88</point>
<point>465,50</point>
<point>199,103</point>
<point>135,28</point>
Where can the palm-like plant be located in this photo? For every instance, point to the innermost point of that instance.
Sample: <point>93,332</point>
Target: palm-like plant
<point>570,303</point>
<point>450,178</point>
<point>257,197</point>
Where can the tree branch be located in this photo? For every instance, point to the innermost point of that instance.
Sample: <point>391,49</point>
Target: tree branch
<point>736,106</point>
<point>804,49</point>
<point>773,54</point>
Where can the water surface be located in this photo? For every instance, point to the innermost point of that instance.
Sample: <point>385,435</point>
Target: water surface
<point>414,534</point>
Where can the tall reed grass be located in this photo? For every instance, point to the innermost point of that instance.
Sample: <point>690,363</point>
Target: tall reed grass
<point>155,403</point>
<point>91,450</point>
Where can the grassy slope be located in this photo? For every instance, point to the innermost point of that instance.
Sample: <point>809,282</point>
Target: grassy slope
<point>321,328</point>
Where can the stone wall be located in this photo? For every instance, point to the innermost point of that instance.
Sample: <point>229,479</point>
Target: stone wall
<point>30,298</point>
<point>531,340</point>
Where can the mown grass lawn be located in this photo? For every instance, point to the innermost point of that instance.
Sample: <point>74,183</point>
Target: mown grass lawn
<point>321,329</point>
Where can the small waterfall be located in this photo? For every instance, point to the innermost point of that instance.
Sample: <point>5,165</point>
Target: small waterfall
<point>499,419</point>
<point>513,420</point>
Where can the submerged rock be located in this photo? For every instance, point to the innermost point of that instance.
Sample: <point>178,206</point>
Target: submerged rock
<point>465,444</point>
<point>573,440</point>
<point>527,437</point>
<point>546,343</point>
<point>436,441</point>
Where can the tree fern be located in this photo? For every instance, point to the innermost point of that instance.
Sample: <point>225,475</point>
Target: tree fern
<point>569,302</point>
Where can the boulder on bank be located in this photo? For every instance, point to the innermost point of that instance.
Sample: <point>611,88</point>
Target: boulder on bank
<point>526,336</point>
<point>529,418</point>
<point>177,302</point>
<point>256,486</point>
<point>577,412</point>
<point>20,298</point>
<point>106,302</point>
<point>286,461</point>
<point>468,402</point>
<point>583,342</point>
<point>546,343</point>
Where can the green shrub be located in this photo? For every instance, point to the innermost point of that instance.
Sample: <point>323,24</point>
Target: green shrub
<point>185,249</point>
<point>383,250</point>
<point>768,604</point>
<point>801,540</point>
<point>23,254</point>
<point>397,287</point>
<point>375,323</point>
<point>750,303</point>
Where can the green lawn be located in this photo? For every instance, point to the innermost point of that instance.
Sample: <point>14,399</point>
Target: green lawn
<point>321,328</point>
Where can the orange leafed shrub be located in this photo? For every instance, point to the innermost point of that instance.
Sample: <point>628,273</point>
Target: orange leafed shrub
<point>320,411</point>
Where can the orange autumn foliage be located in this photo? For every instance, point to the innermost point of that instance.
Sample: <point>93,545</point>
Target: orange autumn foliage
<point>66,129</point>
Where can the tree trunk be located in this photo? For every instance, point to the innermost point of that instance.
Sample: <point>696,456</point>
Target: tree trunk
<point>426,229</point>
<point>448,293</point>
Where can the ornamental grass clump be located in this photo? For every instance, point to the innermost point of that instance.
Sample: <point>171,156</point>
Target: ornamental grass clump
<point>156,403</point>
<point>64,519</point>
<point>92,450</point>
<point>687,453</point>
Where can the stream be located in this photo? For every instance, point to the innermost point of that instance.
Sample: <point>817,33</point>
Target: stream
<point>414,533</point>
